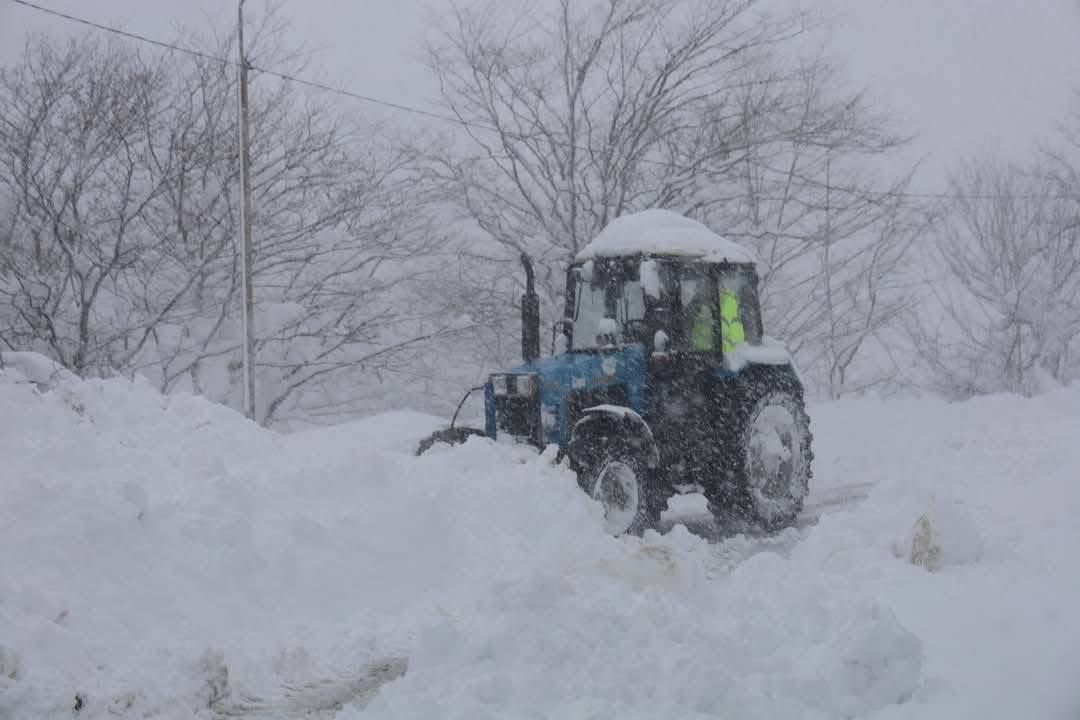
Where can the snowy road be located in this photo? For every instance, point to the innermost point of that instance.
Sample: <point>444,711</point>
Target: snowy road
<point>165,559</point>
<point>832,499</point>
<point>690,510</point>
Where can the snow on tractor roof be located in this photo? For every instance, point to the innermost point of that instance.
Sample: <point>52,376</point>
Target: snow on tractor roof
<point>662,232</point>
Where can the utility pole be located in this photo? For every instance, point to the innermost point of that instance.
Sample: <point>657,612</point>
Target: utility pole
<point>246,254</point>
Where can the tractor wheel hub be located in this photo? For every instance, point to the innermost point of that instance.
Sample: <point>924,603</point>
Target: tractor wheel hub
<point>617,489</point>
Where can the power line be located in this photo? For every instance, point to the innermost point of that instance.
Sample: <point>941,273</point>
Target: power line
<point>124,33</point>
<point>266,71</point>
<point>474,125</point>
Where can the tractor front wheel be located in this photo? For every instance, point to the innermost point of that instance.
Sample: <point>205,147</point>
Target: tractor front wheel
<point>615,473</point>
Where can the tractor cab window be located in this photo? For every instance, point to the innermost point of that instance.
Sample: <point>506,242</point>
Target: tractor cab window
<point>609,309</point>
<point>698,312</point>
<point>740,318</point>
<point>716,311</point>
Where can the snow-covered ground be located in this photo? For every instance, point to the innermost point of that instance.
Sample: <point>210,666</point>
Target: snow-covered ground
<point>163,558</point>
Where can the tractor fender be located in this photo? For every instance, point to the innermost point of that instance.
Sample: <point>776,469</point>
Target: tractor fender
<point>616,419</point>
<point>769,351</point>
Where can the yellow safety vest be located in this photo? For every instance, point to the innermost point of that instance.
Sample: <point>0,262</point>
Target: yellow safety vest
<point>731,327</point>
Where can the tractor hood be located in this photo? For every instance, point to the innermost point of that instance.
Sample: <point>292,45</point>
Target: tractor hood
<point>572,379</point>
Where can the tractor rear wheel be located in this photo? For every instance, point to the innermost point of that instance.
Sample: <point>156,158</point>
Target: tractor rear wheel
<point>766,449</point>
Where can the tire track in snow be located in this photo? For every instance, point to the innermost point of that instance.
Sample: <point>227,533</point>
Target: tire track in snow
<point>733,542</point>
<point>322,697</point>
<point>819,504</point>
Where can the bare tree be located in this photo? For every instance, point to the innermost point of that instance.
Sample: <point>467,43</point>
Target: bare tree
<point>581,114</point>
<point>853,288</point>
<point>339,227</point>
<point>1009,290</point>
<point>77,169</point>
<point>831,237</point>
<point>121,171</point>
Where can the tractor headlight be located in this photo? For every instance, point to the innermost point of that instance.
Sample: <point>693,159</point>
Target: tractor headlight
<point>516,406</point>
<point>525,385</point>
<point>521,386</point>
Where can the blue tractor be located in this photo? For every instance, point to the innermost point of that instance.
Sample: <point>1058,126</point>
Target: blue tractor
<point>660,380</point>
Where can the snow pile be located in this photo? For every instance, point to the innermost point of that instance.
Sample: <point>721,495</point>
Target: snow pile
<point>164,558</point>
<point>33,368</point>
<point>639,635</point>
<point>156,534</point>
<point>996,480</point>
<point>942,536</point>
<point>662,232</point>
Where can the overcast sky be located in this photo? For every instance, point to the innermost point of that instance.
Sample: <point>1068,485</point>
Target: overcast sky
<point>966,75</point>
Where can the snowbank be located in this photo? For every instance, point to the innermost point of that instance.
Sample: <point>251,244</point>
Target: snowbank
<point>662,232</point>
<point>163,555</point>
<point>33,368</point>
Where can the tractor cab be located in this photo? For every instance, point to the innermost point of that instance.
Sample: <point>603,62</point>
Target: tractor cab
<point>660,377</point>
<point>666,303</point>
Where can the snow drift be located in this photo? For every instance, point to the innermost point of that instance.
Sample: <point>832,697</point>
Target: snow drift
<point>164,558</point>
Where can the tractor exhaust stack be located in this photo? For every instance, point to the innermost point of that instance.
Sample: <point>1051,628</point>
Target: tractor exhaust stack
<point>530,314</point>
